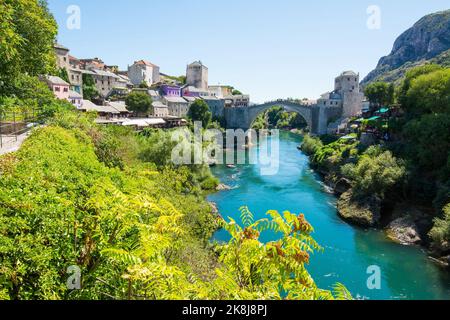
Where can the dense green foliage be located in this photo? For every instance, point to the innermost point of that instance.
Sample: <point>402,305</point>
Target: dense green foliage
<point>138,102</point>
<point>330,157</point>
<point>199,111</point>
<point>425,96</point>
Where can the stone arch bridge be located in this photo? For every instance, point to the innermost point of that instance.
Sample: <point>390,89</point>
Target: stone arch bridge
<point>317,117</point>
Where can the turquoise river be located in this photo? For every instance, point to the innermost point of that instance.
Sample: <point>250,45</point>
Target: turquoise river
<point>406,272</point>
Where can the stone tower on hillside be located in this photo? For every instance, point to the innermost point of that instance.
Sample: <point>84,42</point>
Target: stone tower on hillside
<point>197,75</point>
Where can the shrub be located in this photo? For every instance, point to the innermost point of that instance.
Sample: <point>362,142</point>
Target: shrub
<point>311,145</point>
<point>375,173</point>
<point>441,230</point>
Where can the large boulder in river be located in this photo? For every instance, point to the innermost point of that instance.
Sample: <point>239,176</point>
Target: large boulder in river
<point>404,231</point>
<point>410,223</point>
<point>342,186</point>
<point>364,212</point>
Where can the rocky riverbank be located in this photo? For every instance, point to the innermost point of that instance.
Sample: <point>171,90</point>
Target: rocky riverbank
<point>404,222</point>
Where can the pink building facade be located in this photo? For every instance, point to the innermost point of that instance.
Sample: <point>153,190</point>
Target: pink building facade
<point>59,87</point>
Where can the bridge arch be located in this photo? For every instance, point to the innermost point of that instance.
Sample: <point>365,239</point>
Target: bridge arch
<point>304,111</point>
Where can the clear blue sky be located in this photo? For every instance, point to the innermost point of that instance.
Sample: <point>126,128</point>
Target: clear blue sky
<point>267,48</point>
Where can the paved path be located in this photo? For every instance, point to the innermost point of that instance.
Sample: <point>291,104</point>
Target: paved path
<point>9,144</point>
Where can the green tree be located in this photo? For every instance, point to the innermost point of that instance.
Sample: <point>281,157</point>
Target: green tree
<point>380,93</point>
<point>253,270</point>
<point>429,93</point>
<point>410,76</point>
<point>63,74</point>
<point>376,172</point>
<point>138,102</point>
<point>428,141</point>
<point>441,230</point>
<point>199,111</point>
<point>89,89</point>
<point>311,145</point>
<point>143,85</point>
<point>27,35</point>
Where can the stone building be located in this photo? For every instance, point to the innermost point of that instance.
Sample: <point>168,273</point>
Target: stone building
<point>62,56</point>
<point>159,110</point>
<point>346,95</point>
<point>177,106</point>
<point>144,71</point>
<point>92,63</point>
<point>197,75</point>
<point>220,91</point>
<point>105,81</point>
<point>75,75</point>
<point>71,65</point>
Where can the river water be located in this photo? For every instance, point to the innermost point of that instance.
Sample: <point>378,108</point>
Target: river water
<point>406,272</point>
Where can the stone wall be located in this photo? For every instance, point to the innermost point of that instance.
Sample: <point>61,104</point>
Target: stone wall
<point>216,106</point>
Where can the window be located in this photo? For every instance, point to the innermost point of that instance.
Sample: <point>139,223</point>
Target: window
<point>57,89</point>
<point>66,89</point>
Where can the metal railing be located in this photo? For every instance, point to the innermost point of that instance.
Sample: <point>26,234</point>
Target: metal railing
<point>15,123</point>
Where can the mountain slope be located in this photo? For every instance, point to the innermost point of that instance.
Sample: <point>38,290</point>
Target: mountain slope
<point>427,41</point>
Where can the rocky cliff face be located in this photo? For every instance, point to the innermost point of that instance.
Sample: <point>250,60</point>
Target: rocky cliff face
<point>427,40</point>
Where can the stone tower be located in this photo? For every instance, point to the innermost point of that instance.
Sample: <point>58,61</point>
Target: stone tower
<point>197,75</point>
<point>347,85</point>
